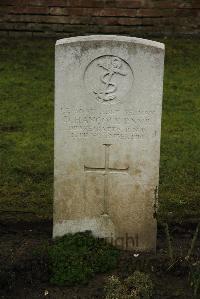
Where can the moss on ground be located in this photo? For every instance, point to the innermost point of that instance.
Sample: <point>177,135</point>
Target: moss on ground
<point>75,259</point>
<point>26,93</point>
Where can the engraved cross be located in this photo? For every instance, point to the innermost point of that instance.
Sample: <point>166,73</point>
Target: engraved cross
<point>105,171</point>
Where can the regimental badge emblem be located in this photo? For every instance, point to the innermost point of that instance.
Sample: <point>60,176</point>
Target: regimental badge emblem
<point>108,79</point>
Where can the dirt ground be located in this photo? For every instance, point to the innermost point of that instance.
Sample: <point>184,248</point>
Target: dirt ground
<point>22,275</point>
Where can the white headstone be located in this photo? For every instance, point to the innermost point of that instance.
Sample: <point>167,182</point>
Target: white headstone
<point>108,103</point>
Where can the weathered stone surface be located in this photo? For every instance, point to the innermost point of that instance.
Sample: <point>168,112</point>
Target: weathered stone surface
<point>108,104</point>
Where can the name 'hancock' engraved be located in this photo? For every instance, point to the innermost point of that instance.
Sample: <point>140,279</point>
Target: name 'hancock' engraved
<point>105,171</point>
<point>108,78</point>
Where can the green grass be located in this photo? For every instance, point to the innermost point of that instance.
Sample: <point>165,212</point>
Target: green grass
<point>180,144</point>
<point>26,93</point>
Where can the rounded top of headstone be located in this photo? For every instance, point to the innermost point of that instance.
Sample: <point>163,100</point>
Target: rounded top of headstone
<point>116,38</point>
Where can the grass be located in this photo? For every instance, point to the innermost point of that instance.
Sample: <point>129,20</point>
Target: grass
<point>180,146</point>
<point>26,93</point>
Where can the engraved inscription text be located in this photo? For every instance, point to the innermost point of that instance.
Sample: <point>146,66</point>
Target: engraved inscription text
<point>112,123</point>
